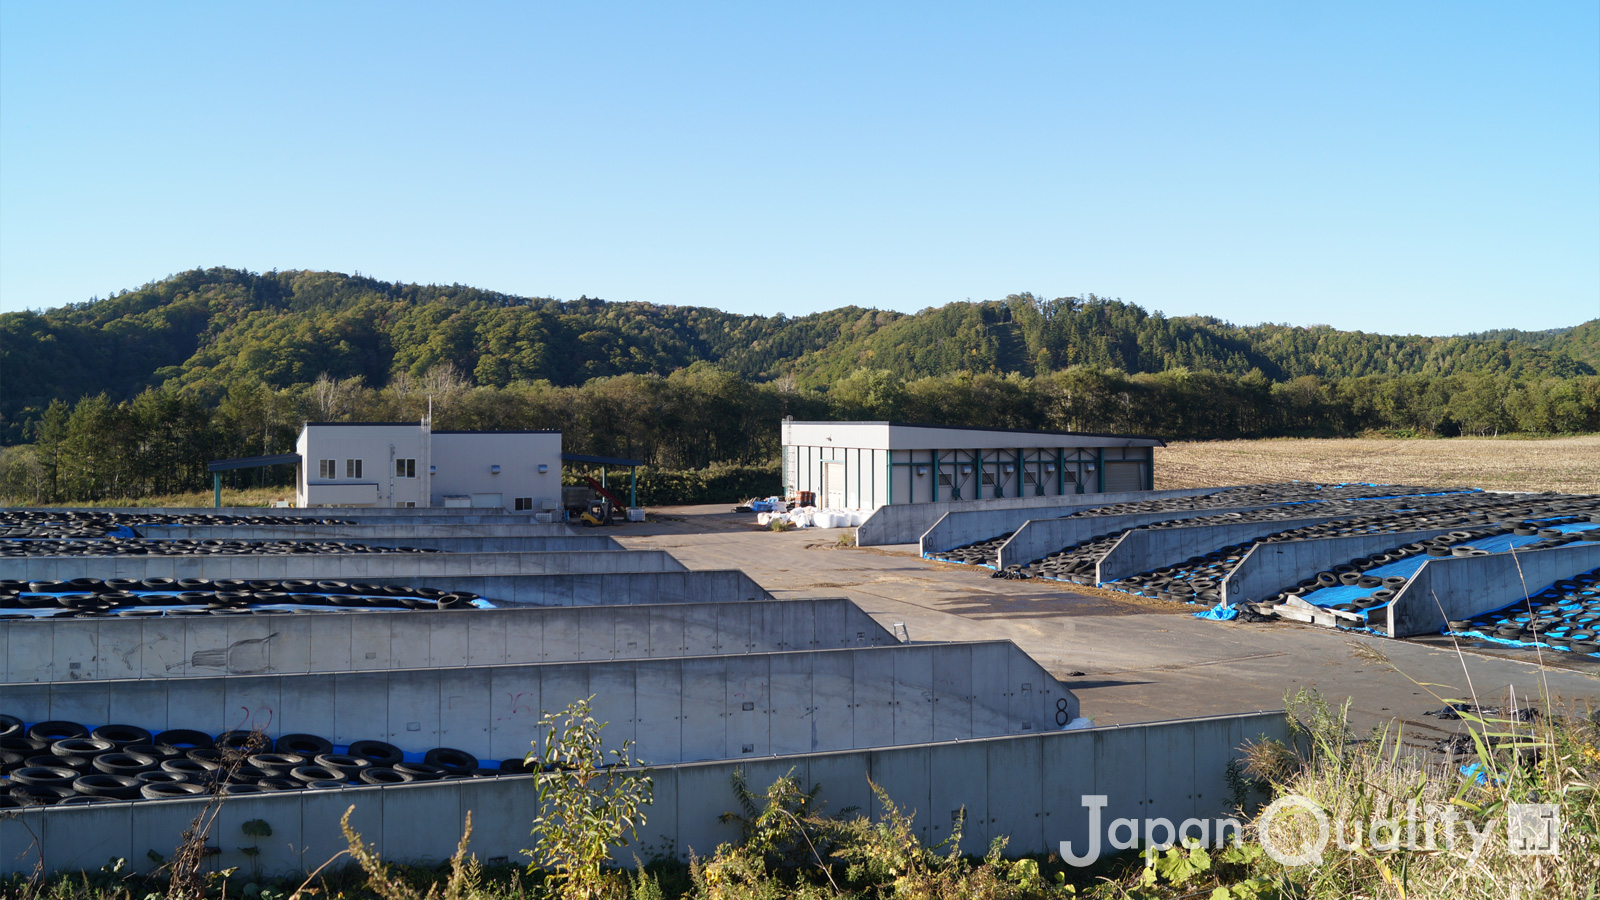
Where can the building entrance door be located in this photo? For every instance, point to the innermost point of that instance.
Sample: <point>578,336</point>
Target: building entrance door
<point>833,485</point>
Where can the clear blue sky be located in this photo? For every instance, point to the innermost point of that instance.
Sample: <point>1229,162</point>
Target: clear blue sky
<point>1400,167</point>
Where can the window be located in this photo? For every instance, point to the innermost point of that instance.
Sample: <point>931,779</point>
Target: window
<point>405,504</point>
<point>405,468</point>
<point>944,479</point>
<point>1028,477</point>
<point>325,468</point>
<point>524,503</point>
<point>352,468</point>
<point>988,478</point>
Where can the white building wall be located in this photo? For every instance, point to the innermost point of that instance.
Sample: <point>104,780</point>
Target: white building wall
<point>883,464</point>
<point>377,446</point>
<point>463,464</point>
<point>410,464</point>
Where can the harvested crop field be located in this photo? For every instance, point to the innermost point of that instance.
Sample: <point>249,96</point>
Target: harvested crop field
<point>1569,465</point>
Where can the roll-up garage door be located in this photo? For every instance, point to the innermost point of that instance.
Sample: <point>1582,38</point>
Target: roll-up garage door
<point>1124,476</point>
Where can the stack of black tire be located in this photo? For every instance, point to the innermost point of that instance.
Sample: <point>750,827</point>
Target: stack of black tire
<point>64,763</point>
<point>93,598</point>
<point>1565,615</point>
<point>124,546</point>
<point>57,523</point>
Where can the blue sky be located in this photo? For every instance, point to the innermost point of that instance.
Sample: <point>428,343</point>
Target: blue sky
<point>1418,167</point>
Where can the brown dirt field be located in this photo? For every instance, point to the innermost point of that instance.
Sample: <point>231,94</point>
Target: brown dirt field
<point>1569,465</point>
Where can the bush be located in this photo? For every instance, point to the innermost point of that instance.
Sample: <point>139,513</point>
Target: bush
<point>672,487</point>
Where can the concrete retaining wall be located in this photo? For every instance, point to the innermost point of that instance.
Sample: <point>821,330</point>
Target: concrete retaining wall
<point>907,523</point>
<point>615,589</point>
<point>1462,587</point>
<point>685,709</point>
<point>1027,787</point>
<point>1142,551</point>
<point>1038,538</point>
<point>207,646</point>
<point>338,566</point>
<point>1269,568</point>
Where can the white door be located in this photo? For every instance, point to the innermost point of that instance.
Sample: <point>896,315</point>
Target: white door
<point>833,485</point>
<point>487,501</point>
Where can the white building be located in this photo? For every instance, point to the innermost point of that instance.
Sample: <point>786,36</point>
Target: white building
<point>865,465</point>
<point>409,464</point>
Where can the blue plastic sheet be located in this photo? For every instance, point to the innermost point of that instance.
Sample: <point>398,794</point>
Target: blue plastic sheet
<point>1222,612</point>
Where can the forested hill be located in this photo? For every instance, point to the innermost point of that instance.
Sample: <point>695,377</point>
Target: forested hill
<point>213,328</point>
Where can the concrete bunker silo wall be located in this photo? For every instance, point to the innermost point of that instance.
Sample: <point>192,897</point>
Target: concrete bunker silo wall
<point>907,523</point>
<point>341,566</point>
<point>1143,551</point>
<point>1462,587</point>
<point>1038,538</point>
<point>1269,568</point>
<point>208,646</point>
<point>717,707</point>
<point>1028,787</point>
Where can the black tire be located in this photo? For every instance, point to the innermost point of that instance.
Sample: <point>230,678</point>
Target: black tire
<point>326,785</point>
<point>343,763</point>
<point>124,763</point>
<point>88,748</point>
<point>156,776</point>
<point>184,739</point>
<point>379,753</point>
<point>206,754</point>
<point>41,794</point>
<point>517,766</point>
<point>27,746</point>
<point>385,775</point>
<point>158,752</point>
<point>307,745</point>
<point>10,759</point>
<point>44,775</point>
<point>57,730</point>
<point>10,726</point>
<point>100,784</point>
<point>280,783</point>
<point>453,761</point>
<point>156,790</point>
<point>240,788</point>
<point>276,764</point>
<point>421,771</point>
<point>198,771</point>
<point>317,773</point>
<point>242,741</point>
<point>245,773</point>
<point>82,800</point>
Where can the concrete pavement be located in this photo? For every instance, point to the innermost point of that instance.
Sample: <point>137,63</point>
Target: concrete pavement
<point>1128,659</point>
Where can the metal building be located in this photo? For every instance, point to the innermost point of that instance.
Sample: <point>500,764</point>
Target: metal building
<point>865,465</point>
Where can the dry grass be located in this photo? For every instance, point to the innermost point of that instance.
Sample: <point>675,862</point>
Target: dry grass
<point>1569,465</point>
<point>230,497</point>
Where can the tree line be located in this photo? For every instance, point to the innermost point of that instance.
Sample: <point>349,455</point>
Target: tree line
<point>208,330</point>
<point>702,417</point>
